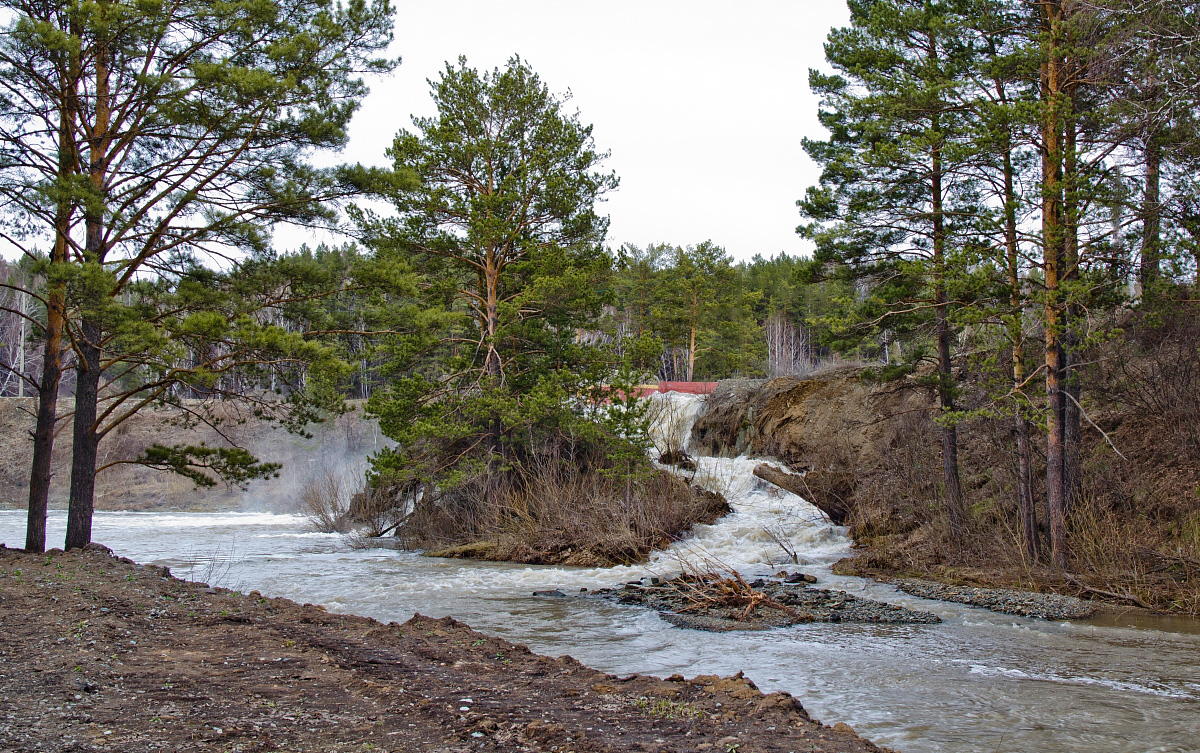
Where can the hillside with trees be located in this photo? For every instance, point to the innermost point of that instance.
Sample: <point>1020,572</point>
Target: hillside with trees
<point>1006,225</point>
<point>1009,187</point>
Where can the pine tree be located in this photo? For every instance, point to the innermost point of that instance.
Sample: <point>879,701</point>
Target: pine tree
<point>190,126</point>
<point>501,232</point>
<point>896,178</point>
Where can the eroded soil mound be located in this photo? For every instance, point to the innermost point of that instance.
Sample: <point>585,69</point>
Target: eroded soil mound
<point>99,654</point>
<point>868,453</point>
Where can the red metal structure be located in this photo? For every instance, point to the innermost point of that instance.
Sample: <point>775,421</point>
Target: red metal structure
<point>691,388</point>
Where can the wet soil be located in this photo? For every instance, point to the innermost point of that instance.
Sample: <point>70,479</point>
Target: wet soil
<point>785,600</point>
<point>100,654</point>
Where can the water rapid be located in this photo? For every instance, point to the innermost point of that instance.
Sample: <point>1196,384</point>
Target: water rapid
<point>977,683</point>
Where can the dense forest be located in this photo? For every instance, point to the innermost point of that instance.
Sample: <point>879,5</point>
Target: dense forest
<point>1011,188</point>
<point>1008,221</point>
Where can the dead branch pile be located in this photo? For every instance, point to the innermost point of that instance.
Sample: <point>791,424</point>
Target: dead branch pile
<point>707,591</point>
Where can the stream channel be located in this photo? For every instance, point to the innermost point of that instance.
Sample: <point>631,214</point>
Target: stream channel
<point>979,682</point>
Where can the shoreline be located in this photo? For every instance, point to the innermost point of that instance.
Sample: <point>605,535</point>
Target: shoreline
<point>969,587</point>
<point>998,596</point>
<point>103,654</point>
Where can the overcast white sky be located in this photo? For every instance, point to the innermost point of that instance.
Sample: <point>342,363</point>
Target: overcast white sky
<point>703,104</point>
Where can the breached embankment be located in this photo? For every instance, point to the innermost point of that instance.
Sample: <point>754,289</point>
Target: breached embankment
<point>100,654</point>
<point>867,453</point>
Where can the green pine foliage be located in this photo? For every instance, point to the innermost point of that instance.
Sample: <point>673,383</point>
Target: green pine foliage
<point>497,226</point>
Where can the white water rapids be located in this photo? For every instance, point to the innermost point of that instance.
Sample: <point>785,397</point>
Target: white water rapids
<point>977,683</point>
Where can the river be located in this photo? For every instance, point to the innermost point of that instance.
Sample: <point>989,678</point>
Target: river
<point>978,682</point>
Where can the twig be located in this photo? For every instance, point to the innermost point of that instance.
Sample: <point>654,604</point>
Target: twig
<point>1103,433</point>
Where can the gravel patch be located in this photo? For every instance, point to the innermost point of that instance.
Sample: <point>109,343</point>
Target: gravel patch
<point>1008,601</point>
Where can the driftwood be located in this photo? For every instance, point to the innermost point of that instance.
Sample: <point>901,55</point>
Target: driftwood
<point>833,506</point>
<point>1111,594</point>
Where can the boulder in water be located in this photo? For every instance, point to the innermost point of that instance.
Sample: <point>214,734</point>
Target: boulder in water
<point>835,506</point>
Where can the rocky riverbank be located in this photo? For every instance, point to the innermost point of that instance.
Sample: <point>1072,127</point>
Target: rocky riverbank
<point>723,604</point>
<point>100,654</point>
<point>1005,600</point>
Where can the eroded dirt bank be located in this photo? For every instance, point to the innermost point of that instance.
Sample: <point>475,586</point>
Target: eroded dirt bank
<point>100,654</point>
<point>868,454</point>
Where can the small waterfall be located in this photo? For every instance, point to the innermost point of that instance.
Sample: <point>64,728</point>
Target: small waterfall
<point>672,416</point>
<point>768,525</point>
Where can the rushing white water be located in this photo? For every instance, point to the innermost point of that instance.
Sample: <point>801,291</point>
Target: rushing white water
<point>768,525</point>
<point>977,683</point>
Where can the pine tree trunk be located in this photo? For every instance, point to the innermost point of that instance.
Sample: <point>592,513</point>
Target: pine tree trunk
<point>1026,510</point>
<point>492,366</point>
<point>955,507</point>
<point>1151,217</point>
<point>22,339</point>
<point>1071,386</point>
<point>85,436</point>
<point>43,431</point>
<point>52,350</point>
<point>1052,235</point>
<point>691,359</point>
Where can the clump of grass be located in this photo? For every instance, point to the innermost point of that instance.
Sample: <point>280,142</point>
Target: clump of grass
<point>665,708</point>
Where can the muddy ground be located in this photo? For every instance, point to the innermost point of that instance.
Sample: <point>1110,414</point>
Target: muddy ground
<point>100,654</point>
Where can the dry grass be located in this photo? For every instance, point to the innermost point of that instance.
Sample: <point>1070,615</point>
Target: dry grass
<point>1134,526</point>
<point>561,510</point>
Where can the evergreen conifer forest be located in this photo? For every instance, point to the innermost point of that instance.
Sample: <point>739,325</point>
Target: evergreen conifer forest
<point>1006,226</point>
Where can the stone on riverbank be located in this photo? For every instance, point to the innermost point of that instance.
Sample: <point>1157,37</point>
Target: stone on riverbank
<point>778,603</point>
<point>1005,600</point>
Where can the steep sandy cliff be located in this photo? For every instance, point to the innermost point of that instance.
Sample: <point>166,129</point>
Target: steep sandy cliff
<point>833,430</point>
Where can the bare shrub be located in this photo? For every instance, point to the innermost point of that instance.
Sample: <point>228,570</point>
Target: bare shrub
<point>324,500</point>
<point>1155,373</point>
<point>564,505</point>
<point>379,510</point>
